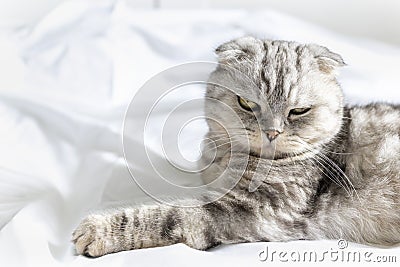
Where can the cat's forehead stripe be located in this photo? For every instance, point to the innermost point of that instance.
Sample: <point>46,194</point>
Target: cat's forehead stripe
<point>281,67</point>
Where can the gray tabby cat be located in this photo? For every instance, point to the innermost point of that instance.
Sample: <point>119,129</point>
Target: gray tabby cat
<point>335,172</point>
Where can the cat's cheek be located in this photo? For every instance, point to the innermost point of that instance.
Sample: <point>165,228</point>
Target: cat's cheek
<point>327,122</point>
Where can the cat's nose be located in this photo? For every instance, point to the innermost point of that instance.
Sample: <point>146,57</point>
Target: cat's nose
<point>272,134</point>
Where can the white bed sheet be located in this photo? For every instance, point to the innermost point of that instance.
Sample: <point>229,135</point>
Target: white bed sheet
<point>65,86</point>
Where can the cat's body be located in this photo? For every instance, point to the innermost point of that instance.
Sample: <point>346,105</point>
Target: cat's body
<point>335,172</point>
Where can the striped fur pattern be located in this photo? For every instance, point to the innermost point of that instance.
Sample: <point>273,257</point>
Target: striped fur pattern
<point>335,172</point>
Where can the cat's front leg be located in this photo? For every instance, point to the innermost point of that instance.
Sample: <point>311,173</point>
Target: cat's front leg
<point>127,228</point>
<point>155,225</point>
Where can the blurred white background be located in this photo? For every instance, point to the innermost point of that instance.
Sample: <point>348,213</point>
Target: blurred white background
<point>373,19</point>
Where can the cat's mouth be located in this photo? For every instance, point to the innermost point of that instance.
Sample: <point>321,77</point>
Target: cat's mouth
<point>279,155</point>
<point>273,150</point>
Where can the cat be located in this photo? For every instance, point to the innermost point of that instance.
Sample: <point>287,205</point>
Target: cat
<point>334,173</point>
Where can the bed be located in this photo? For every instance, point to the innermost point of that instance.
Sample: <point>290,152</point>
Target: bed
<point>66,86</point>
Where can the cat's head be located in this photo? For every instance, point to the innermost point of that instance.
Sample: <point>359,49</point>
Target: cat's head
<point>286,95</point>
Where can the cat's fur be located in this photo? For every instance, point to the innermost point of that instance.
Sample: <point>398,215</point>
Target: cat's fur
<point>305,192</point>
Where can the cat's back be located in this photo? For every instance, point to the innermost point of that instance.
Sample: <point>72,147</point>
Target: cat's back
<point>374,141</point>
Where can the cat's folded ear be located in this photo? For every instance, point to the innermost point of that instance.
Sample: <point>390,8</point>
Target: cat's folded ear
<point>327,61</point>
<point>236,50</point>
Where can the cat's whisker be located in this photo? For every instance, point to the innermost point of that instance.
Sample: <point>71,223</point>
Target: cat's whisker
<point>231,142</point>
<point>221,139</point>
<point>349,185</point>
<point>333,177</point>
<point>323,168</point>
<point>233,145</point>
<point>217,139</point>
<point>323,147</point>
<point>336,167</point>
<point>336,153</point>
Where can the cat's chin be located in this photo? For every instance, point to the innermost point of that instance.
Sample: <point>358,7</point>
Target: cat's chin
<point>270,151</point>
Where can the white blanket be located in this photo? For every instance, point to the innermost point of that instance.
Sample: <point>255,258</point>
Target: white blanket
<point>65,85</point>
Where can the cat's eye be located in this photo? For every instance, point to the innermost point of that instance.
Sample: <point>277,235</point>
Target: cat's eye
<point>298,111</point>
<point>247,104</point>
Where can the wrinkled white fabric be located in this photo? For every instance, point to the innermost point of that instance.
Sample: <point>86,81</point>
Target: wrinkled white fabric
<point>65,87</point>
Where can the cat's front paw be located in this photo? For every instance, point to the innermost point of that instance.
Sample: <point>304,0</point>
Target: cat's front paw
<point>90,237</point>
